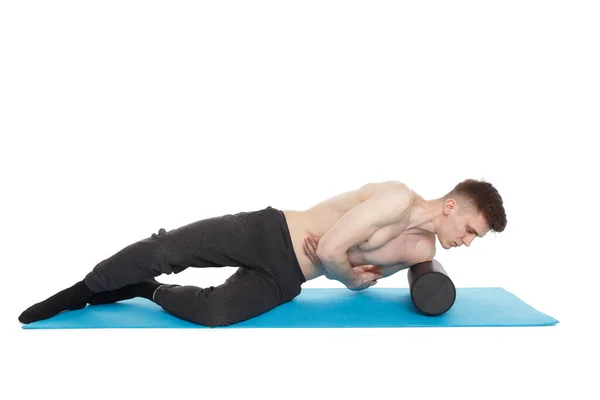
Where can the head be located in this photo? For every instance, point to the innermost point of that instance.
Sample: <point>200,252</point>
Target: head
<point>470,210</point>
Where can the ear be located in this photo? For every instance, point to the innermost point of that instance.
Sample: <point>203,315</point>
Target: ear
<point>449,206</point>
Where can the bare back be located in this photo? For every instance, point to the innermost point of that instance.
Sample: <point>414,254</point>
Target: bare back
<point>390,245</point>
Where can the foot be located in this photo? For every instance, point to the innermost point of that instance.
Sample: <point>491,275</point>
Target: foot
<point>143,289</point>
<point>73,298</point>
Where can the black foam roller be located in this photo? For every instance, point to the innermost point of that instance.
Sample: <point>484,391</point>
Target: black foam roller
<point>431,289</point>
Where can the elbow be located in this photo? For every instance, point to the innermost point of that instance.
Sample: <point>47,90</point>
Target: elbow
<point>328,253</point>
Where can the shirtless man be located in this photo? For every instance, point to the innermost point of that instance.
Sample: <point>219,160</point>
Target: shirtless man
<point>363,235</point>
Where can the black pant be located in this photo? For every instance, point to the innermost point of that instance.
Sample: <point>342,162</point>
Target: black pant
<point>258,242</point>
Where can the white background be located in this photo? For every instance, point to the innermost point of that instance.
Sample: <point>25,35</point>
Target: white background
<point>122,117</point>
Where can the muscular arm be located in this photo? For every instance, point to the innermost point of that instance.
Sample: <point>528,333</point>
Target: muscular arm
<point>424,251</point>
<point>392,269</point>
<point>387,204</point>
<point>389,270</point>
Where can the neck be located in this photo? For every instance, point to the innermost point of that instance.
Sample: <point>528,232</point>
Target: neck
<point>425,215</point>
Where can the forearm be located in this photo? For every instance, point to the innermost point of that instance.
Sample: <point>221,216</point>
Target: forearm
<point>338,268</point>
<point>392,269</point>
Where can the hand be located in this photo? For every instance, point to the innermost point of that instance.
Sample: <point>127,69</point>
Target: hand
<point>310,249</point>
<point>376,269</point>
<point>365,275</point>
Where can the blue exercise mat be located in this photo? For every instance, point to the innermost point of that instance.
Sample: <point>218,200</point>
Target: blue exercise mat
<point>324,308</point>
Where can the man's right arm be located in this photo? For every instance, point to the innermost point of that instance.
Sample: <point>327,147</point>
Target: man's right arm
<point>388,204</point>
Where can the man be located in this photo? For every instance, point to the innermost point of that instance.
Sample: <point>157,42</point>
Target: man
<point>363,235</point>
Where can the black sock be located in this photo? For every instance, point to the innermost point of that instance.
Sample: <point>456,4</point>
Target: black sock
<point>143,289</point>
<point>73,298</point>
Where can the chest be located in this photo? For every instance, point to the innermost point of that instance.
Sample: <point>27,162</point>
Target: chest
<point>404,247</point>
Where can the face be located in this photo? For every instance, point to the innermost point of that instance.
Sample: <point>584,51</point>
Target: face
<point>460,225</point>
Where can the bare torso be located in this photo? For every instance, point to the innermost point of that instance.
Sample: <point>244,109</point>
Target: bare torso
<point>389,245</point>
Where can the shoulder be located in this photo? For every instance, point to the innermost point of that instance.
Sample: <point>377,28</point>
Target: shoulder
<point>425,249</point>
<point>391,198</point>
<point>394,189</point>
<point>388,185</point>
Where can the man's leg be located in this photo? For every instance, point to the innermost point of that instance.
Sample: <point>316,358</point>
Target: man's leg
<point>244,295</point>
<point>72,298</point>
<point>143,289</point>
<point>212,242</point>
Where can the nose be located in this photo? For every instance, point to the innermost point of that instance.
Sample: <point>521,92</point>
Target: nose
<point>467,241</point>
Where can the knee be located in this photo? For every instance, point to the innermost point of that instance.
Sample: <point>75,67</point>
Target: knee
<point>216,321</point>
<point>216,316</point>
<point>215,313</point>
<point>210,319</point>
